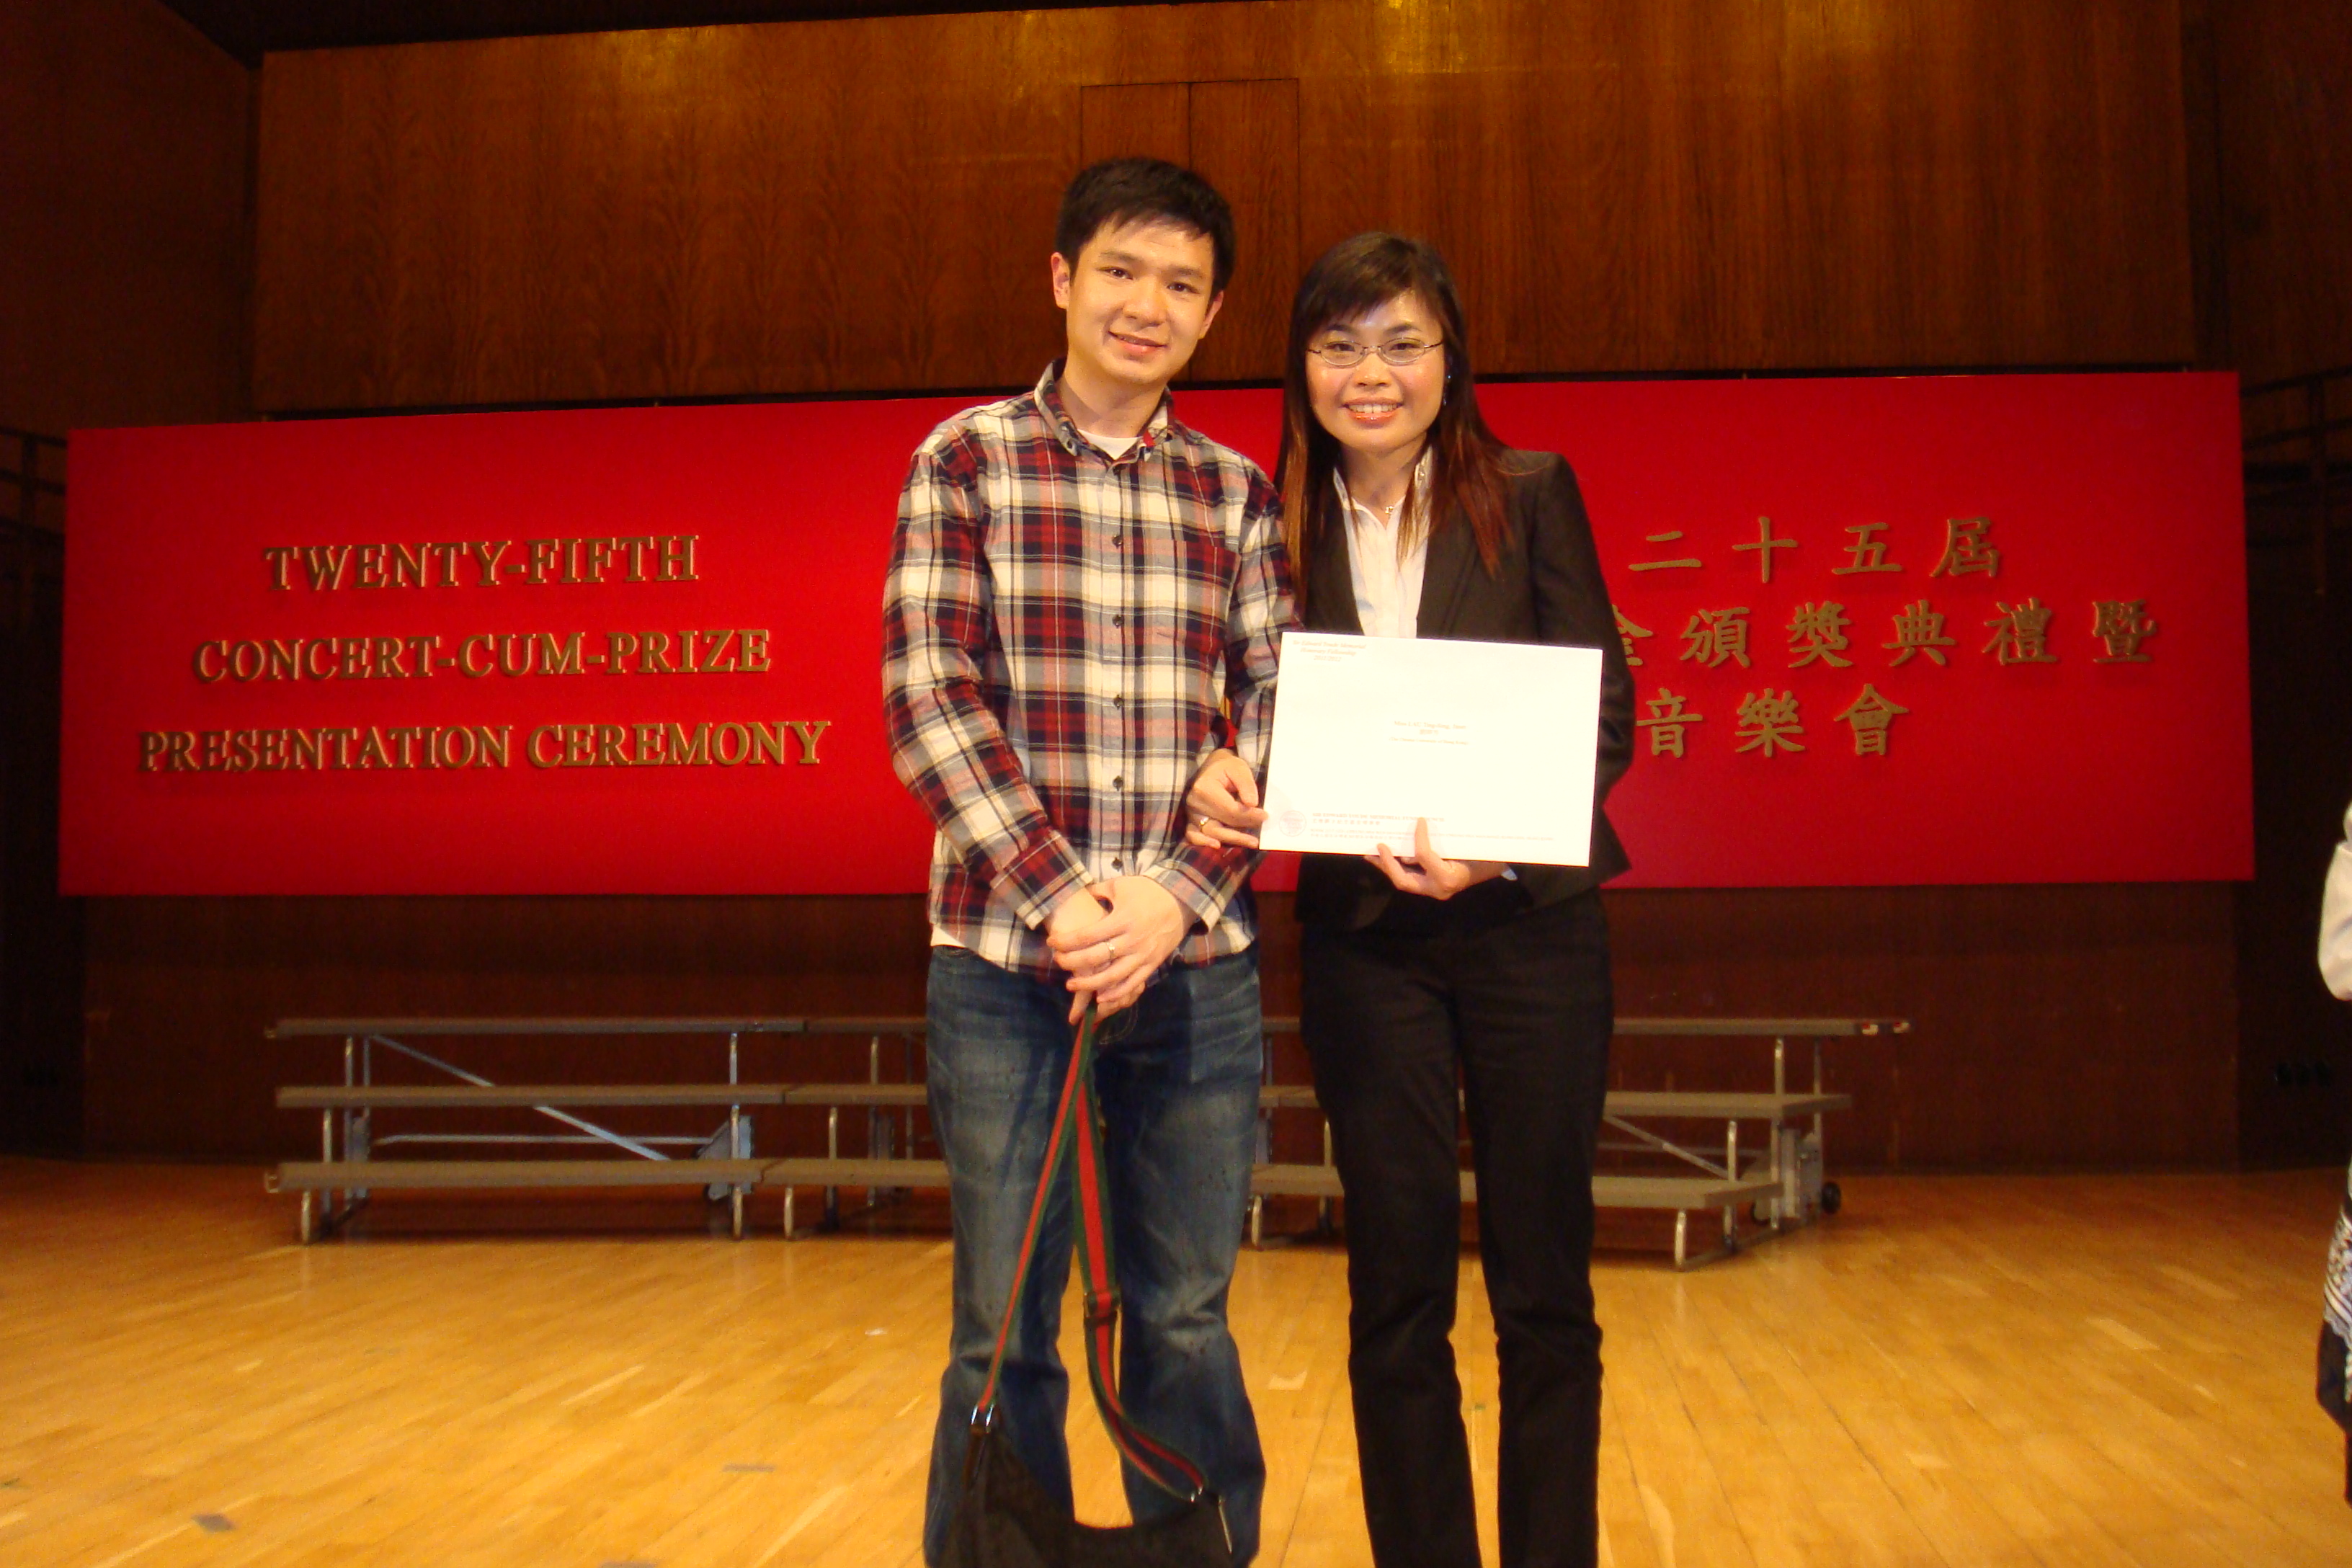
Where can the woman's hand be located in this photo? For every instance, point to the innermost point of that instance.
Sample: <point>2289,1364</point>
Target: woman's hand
<point>1429,873</point>
<point>1221,808</point>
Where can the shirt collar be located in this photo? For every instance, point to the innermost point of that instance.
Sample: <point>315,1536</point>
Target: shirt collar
<point>1419,488</point>
<point>1048,397</point>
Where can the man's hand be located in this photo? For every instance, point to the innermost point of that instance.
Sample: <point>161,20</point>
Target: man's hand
<point>1430,874</point>
<point>1221,808</point>
<point>1074,924</point>
<point>1112,959</point>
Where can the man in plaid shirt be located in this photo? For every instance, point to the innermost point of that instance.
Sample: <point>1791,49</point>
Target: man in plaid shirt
<point>1084,607</point>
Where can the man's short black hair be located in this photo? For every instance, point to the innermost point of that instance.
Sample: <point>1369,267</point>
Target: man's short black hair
<point>1122,189</point>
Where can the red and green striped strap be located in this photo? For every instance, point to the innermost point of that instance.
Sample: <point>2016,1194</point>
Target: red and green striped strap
<point>1077,1127</point>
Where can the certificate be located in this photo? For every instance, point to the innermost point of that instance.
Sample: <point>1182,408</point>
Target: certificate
<point>1493,742</point>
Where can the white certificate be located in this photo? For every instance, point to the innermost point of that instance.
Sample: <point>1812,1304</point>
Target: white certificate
<point>1493,742</point>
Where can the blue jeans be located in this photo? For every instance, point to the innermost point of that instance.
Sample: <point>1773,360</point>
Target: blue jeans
<point>1176,1076</point>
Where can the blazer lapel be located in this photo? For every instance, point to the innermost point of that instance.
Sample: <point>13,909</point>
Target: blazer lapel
<point>1444,576</point>
<point>1334,591</point>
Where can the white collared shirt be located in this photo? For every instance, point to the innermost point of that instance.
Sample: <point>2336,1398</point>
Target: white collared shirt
<point>1388,588</point>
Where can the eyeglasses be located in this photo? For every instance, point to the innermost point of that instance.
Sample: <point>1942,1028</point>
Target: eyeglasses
<point>1342,354</point>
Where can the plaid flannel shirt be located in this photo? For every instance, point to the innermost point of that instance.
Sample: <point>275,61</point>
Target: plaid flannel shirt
<point>1067,638</point>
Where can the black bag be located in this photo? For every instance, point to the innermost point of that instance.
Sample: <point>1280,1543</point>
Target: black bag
<point>1003,1519</point>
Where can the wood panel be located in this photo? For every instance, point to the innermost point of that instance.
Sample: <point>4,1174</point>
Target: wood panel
<point>861,204</point>
<point>1246,140</point>
<point>2056,1027</point>
<point>123,219</point>
<point>2283,116</point>
<point>658,214</point>
<point>1137,119</point>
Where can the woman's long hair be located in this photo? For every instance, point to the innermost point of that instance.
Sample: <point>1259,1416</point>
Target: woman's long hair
<point>1467,476</point>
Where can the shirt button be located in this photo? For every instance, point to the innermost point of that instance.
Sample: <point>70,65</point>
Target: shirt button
<point>1116,864</point>
<point>1117,539</point>
<point>1119,701</point>
<point>1119,781</point>
<point>1119,620</point>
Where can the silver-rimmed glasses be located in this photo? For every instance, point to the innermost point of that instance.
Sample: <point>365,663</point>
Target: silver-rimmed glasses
<point>1342,354</point>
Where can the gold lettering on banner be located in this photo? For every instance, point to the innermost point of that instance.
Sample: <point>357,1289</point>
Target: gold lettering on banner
<point>446,554</point>
<point>545,732</point>
<point>1818,632</point>
<point>1683,563</point>
<point>638,546</point>
<point>1871,714</point>
<point>423,648</point>
<point>719,747</point>
<point>1666,723</point>
<point>486,552</point>
<point>618,647</point>
<point>309,750</point>
<point>656,660</point>
<point>1966,550</point>
<point>1627,632</point>
<point>324,564</point>
<point>1917,629</point>
<point>281,565</point>
<point>608,746</point>
<point>367,567</point>
<point>2020,632</point>
<point>285,659</point>
<point>387,657</point>
<point>579,745</point>
<point>208,673</point>
<point>310,660</point>
<point>677,559</point>
<point>726,640</point>
<point>2123,625</point>
<point>1867,553</point>
<point>767,743</point>
<point>246,660</point>
<point>1714,636</point>
<point>755,650</point>
<point>404,566</point>
<point>517,653</point>
<point>559,659</point>
<point>688,750</point>
<point>1767,721</point>
<point>600,553</point>
<point>466,664</point>
<point>541,556</point>
<point>649,746</point>
<point>808,733</point>
<point>1765,544</point>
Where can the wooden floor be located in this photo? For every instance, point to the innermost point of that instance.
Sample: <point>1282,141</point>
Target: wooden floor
<point>1955,1371</point>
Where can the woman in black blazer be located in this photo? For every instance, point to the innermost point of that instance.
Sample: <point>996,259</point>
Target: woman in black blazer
<point>1406,516</point>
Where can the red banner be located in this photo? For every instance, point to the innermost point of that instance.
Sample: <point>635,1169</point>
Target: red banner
<point>1948,629</point>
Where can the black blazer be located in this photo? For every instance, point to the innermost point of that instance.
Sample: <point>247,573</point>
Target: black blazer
<point>1547,588</point>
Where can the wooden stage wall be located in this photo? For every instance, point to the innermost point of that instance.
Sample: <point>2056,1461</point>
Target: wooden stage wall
<point>1622,186</point>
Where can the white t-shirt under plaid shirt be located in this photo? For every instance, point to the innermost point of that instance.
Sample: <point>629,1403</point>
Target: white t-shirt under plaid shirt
<point>1067,638</point>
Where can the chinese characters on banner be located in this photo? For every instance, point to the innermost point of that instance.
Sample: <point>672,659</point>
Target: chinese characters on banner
<point>1939,629</point>
<point>1933,630</point>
